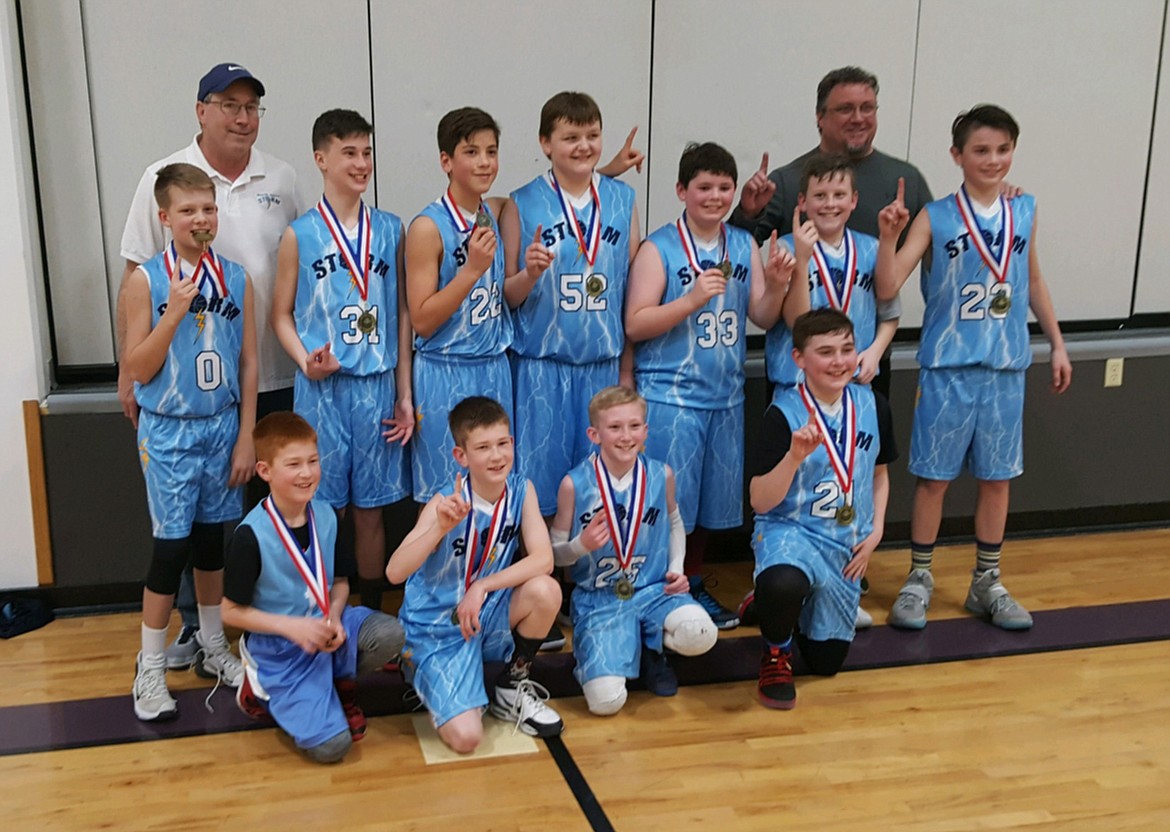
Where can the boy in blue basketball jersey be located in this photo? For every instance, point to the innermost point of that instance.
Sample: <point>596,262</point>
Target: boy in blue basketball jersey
<point>191,351</point>
<point>974,351</point>
<point>469,597</point>
<point>819,492</point>
<point>567,287</point>
<point>839,266</point>
<point>693,285</point>
<point>286,584</point>
<point>455,290</point>
<point>619,528</point>
<point>339,310</point>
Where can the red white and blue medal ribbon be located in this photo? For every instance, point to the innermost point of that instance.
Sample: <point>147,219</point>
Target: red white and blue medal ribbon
<point>357,257</point>
<point>208,271</point>
<point>624,536</point>
<point>499,521</point>
<point>692,250</point>
<point>998,267</point>
<point>456,213</point>
<point>588,243</point>
<point>838,300</point>
<point>843,452</point>
<point>308,562</point>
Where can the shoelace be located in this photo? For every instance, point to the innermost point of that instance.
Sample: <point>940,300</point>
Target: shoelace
<point>218,648</point>
<point>775,670</point>
<point>154,682</point>
<point>528,693</point>
<point>411,695</point>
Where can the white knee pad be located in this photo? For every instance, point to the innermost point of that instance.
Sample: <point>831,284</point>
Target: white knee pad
<point>689,631</point>
<point>605,695</point>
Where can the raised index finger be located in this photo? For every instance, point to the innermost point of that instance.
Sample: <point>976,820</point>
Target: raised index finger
<point>536,236</point>
<point>901,191</point>
<point>764,165</point>
<point>630,138</point>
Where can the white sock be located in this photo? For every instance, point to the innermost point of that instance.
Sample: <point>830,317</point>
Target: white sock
<point>210,621</point>
<point>154,641</point>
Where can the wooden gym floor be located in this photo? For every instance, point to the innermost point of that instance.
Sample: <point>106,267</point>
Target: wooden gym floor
<point>1067,740</point>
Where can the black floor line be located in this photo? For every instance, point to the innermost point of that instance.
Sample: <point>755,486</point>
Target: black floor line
<point>586,799</point>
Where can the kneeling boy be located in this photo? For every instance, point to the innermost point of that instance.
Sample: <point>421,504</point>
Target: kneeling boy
<point>819,494</point>
<point>468,598</point>
<point>286,584</point>
<point>627,548</point>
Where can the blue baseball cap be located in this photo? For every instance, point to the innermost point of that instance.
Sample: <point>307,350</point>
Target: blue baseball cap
<point>222,76</point>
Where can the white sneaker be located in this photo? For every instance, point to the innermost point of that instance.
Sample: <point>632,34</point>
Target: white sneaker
<point>152,701</point>
<point>524,705</point>
<point>216,661</point>
<point>863,620</point>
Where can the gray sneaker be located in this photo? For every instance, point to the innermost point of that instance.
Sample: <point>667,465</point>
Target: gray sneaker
<point>152,701</point>
<point>216,660</point>
<point>988,598</point>
<point>909,610</point>
<point>181,652</point>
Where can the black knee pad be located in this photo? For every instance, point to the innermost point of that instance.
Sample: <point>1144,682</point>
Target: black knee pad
<point>824,658</point>
<point>780,594</point>
<point>207,540</point>
<point>166,565</point>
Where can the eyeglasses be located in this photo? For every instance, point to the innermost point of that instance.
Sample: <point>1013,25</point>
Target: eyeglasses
<point>866,109</point>
<point>234,108</point>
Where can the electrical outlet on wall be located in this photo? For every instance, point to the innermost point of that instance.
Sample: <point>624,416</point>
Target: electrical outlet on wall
<point>1114,368</point>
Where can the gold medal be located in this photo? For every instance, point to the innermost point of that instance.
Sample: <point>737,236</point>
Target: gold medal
<point>455,616</point>
<point>725,268</point>
<point>845,515</point>
<point>1001,304</point>
<point>367,323</point>
<point>594,286</point>
<point>203,236</point>
<point>483,219</point>
<point>198,304</point>
<point>623,589</point>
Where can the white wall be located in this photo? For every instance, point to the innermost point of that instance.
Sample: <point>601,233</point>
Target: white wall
<point>23,372</point>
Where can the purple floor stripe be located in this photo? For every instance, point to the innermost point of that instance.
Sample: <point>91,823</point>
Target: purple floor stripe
<point>110,720</point>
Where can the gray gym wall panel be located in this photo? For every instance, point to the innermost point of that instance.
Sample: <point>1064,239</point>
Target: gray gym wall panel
<point>1153,278</point>
<point>506,57</point>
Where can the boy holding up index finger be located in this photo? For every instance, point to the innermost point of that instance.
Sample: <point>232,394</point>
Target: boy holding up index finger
<point>983,277</point>
<point>469,598</point>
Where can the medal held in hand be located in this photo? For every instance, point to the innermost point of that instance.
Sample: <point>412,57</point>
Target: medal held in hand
<point>725,269</point>
<point>483,219</point>
<point>203,237</point>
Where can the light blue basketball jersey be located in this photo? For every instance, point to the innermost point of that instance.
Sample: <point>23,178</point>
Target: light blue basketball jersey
<point>437,587</point>
<point>599,570</point>
<point>959,326</point>
<point>329,304</point>
<point>482,325</point>
<point>560,318</point>
<point>815,495</point>
<point>280,589</point>
<point>699,363</point>
<point>201,373</point>
<point>862,307</point>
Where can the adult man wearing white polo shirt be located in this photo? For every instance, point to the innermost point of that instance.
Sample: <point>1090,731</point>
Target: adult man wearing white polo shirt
<point>257,199</point>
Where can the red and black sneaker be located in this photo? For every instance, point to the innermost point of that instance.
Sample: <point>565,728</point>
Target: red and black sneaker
<point>347,693</point>
<point>251,704</point>
<point>776,689</point>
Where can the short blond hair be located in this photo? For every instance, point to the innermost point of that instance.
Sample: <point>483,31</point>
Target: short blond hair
<point>613,397</point>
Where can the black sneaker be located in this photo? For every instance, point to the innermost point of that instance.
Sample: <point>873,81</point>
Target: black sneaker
<point>657,674</point>
<point>724,618</point>
<point>775,687</point>
<point>554,641</point>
